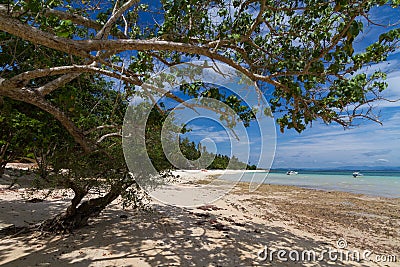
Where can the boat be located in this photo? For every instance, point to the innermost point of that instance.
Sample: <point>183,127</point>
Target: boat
<point>357,174</point>
<point>292,173</point>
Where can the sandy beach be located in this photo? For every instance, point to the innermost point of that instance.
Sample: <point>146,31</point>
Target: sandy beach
<point>240,229</point>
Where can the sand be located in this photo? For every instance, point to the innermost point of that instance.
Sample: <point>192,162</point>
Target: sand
<point>233,231</point>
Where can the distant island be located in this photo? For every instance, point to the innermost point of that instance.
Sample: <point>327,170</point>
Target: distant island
<point>345,168</point>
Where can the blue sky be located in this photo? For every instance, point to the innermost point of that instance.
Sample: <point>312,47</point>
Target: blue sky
<point>368,144</point>
<point>324,146</point>
<point>328,146</point>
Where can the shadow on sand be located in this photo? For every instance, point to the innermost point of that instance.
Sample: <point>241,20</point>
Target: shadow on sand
<point>167,237</point>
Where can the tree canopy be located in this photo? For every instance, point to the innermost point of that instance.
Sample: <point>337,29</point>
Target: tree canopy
<point>303,50</point>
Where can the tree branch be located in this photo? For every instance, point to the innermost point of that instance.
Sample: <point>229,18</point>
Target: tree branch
<point>36,36</point>
<point>84,47</point>
<point>22,79</point>
<point>77,19</point>
<point>30,96</point>
<point>57,83</point>
<point>101,128</point>
<point>115,15</point>
<point>257,21</point>
<point>101,139</point>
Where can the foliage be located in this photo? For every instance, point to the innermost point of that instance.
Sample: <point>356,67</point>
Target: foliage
<point>189,149</point>
<point>300,51</point>
<point>28,132</point>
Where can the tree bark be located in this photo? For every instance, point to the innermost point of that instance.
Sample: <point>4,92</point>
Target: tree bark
<point>77,216</point>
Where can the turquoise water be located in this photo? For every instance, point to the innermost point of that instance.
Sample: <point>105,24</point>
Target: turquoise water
<point>374,183</point>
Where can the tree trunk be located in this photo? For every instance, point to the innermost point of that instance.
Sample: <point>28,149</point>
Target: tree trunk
<point>2,168</point>
<point>77,216</point>
<point>3,158</point>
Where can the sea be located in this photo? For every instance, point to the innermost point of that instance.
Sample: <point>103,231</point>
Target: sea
<point>373,183</point>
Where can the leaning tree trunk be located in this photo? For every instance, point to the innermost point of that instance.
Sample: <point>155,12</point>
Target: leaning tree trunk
<point>3,158</point>
<point>2,169</point>
<point>77,216</point>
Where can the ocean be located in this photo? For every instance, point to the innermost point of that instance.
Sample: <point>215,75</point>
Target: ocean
<point>373,183</point>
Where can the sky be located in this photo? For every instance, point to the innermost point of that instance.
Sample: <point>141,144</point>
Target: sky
<point>368,144</point>
<point>322,146</point>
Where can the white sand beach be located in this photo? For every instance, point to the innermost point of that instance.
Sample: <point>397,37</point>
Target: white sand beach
<point>236,230</point>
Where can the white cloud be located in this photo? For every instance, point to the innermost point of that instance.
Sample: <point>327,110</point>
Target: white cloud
<point>382,160</point>
<point>367,145</point>
<point>385,66</point>
<point>392,92</point>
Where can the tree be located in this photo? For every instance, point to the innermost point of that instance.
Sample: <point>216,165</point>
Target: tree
<point>37,133</point>
<point>28,132</point>
<point>301,51</point>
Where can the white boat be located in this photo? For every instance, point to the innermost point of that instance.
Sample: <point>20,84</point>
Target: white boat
<point>357,174</point>
<point>292,173</point>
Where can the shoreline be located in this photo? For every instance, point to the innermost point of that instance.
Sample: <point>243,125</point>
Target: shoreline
<point>229,232</point>
<point>194,175</point>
